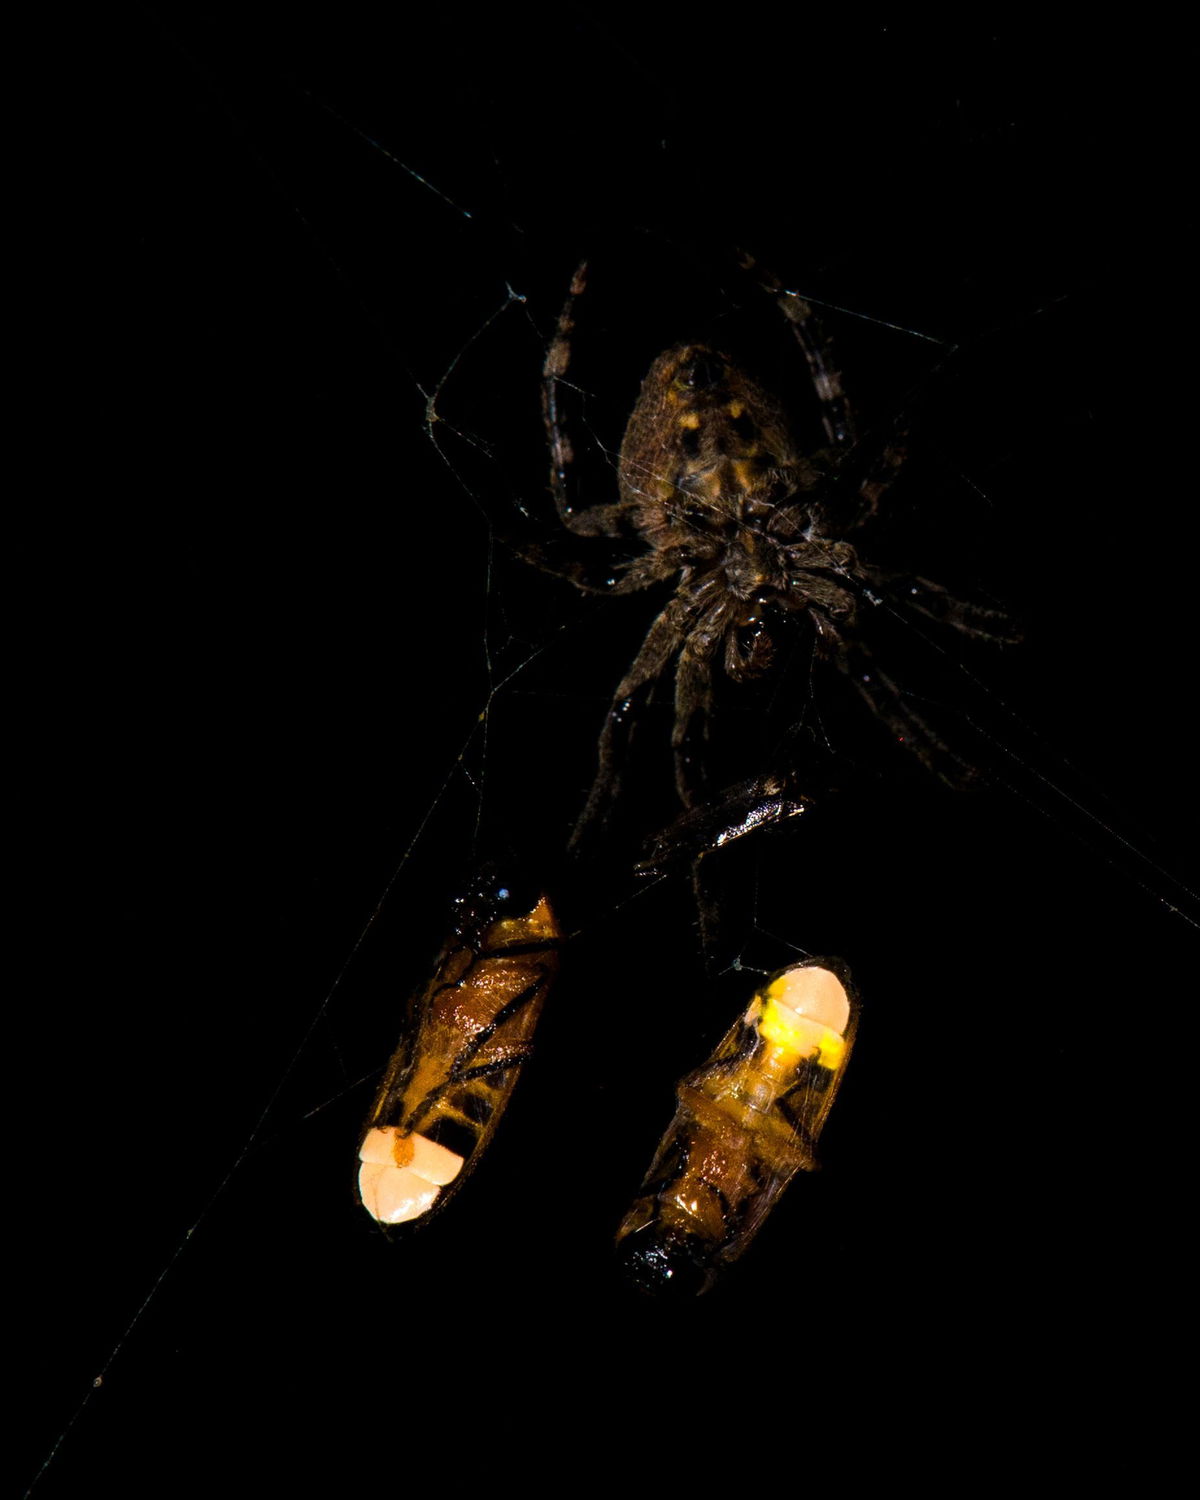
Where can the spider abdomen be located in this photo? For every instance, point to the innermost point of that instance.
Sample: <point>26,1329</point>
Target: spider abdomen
<point>706,452</point>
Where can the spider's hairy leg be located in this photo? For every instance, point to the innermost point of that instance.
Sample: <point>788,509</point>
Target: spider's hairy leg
<point>693,698</point>
<point>664,638</point>
<point>558,556</point>
<point>561,405</point>
<point>693,706</point>
<point>858,479</point>
<point>975,620</point>
<point>817,552</point>
<point>832,597</point>
<point>837,417</point>
<point>835,514</point>
<point>889,704</point>
<point>879,478</point>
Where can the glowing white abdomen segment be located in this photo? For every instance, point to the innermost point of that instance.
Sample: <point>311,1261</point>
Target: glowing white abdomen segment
<point>401,1175</point>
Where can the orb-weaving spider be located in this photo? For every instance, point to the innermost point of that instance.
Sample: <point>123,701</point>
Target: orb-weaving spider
<point>711,477</point>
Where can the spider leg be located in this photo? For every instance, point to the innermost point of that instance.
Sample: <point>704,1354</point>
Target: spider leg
<point>558,398</point>
<point>558,557</point>
<point>836,416</point>
<point>888,702</point>
<point>663,639</point>
<point>819,552</point>
<point>693,698</point>
<point>724,913</point>
<point>847,507</point>
<point>835,596</point>
<point>757,803</point>
<point>742,663</point>
<point>975,620</point>
<point>880,476</point>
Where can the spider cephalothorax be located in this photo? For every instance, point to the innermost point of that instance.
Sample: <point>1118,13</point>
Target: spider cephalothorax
<point>748,528</point>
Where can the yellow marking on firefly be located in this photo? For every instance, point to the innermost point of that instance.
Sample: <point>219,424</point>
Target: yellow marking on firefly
<point>690,420</point>
<point>736,408</point>
<point>799,1036</point>
<point>784,1029</point>
<point>831,1051</point>
<point>402,1150</point>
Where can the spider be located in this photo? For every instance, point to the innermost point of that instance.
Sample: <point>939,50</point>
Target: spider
<point>750,529</point>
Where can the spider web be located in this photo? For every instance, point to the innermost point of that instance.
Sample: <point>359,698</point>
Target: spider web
<point>313,684</point>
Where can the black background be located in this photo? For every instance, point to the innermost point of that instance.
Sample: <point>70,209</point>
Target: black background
<point>274,631</point>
